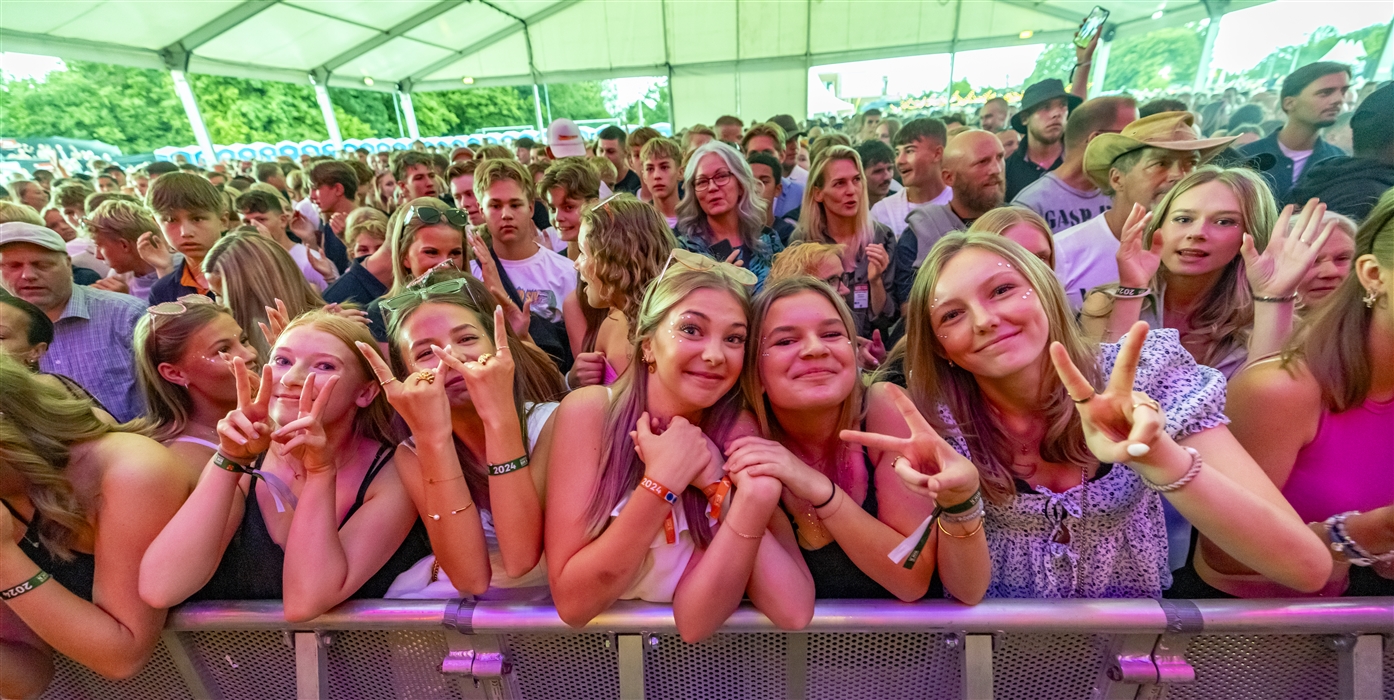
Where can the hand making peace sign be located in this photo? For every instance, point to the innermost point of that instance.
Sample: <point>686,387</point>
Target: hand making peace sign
<point>303,439</point>
<point>927,464</point>
<point>489,377</point>
<point>245,432</point>
<point>1120,425</point>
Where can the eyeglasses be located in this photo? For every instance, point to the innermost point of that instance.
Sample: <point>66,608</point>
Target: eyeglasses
<point>702,263</point>
<point>391,307</point>
<point>833,280</point>
<point>720,179</point>
<point>175,308</point>
<point>432,215</point>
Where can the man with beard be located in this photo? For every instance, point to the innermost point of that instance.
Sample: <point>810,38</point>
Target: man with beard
<point>993,115</point>
<point>1066,196</point>
<point>1137,166</point>
<point>973,170</point>
<point>1352,185</point>
<point>1312,97</point>
<point>1041,122</point>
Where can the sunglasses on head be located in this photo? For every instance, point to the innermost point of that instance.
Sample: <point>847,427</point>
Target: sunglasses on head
<point>175,308</point>
<point>432,215</point>
<point>391,307</point>
<point>702,263</point>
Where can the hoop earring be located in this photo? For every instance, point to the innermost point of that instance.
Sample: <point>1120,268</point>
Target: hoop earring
<point>1370,299</point>
<point>652,368</point>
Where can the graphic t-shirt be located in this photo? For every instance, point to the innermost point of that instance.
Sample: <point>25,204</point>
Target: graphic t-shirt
<point>1061,205</point>
<point>548,274</point>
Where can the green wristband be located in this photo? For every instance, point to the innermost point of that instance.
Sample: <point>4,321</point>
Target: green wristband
<point>21,589</point>
<point>965,506</point>
<point>222,461</point>
<point>509,466</point>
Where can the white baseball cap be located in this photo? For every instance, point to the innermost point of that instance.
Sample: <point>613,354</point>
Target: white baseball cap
<point>21,232</point>
<point>564,139</point>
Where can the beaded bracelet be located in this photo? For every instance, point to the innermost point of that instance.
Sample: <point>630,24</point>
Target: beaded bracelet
<point>21,589</point>
<point>1186,478</point>
<point>509,466</point>
<point>1342,543</point>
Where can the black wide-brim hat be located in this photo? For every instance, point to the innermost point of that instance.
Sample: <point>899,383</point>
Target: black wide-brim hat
<point>1038,94</point>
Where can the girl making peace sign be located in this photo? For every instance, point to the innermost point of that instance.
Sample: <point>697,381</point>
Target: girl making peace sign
<point>331,519</point>
<point>1073,471</point>
<point>476,399</point>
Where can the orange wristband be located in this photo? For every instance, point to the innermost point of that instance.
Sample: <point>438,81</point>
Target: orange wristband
<point>717,494</point>
<point>659,490</point>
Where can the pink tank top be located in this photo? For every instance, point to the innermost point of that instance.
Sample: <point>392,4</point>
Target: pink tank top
<point>1348,466</point>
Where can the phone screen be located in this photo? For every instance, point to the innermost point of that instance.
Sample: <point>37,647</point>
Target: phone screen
<point>1092,24</point>
<point>721,250</point>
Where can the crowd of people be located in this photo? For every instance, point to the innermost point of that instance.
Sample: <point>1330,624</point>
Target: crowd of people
<point>1034,353</point>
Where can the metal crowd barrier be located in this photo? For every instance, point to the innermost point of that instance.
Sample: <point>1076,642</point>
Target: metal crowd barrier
<point>1306,649</point>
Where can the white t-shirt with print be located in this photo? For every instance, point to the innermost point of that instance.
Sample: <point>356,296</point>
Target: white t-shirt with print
<point>548,273</point>
<point>1086,256</point>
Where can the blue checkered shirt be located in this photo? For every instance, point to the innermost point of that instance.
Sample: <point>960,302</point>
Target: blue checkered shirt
<point>92,345</point>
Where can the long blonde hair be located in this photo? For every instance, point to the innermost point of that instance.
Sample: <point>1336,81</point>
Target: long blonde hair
<point>813,219</point>
<point>160,339</point>
<point>1334,343</point>
<point>256,272</point>
<point>620,467</point>
<point>402,234</point>
<point>39,424</point>
<point>1225,314</point>
<point>934,382</point>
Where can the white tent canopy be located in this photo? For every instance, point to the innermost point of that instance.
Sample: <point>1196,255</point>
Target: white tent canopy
<point>744,57</point>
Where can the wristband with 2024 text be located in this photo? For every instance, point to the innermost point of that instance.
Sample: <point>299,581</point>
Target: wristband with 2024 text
<point>21,589</point>
<point>512,465</point>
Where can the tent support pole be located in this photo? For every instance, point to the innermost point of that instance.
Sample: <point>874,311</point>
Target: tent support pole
<point>185,91</point>
<point>953,52</point>
<point>1207,49</point>
<point>404,96</point>
<point>320,80</point>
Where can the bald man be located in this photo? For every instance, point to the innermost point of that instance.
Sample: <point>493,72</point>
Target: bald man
<point>973,169</point>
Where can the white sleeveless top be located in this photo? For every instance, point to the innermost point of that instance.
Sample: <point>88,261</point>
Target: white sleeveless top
<point>417,582</point>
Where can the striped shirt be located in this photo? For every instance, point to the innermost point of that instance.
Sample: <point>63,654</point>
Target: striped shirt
<point>92,343</point>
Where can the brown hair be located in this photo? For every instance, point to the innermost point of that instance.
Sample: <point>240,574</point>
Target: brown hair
<point>628,242</point>
<point>373,421</point>
<point>401,234</point>
<point>71,194</point>
<point>184,192</point>
<point>123,219</point>
<point>1334,343</point>
<point>577,178</point>
<point>14,211</point>
<point>160,339</point>
<point>770,129</point>
<point>335,172</point>
<point>496,151</point>
<point>660,148</point>
<point>500,169</point>
<point>466,167</point>
<point>256,272</point>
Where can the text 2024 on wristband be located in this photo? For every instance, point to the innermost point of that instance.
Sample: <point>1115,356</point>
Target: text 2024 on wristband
<point>21,589</point>
<point>509,466</point>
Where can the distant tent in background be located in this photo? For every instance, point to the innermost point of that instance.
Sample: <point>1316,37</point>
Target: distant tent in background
<point>821,100</point>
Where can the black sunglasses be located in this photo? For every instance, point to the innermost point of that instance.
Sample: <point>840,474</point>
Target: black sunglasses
<point>432,215</point>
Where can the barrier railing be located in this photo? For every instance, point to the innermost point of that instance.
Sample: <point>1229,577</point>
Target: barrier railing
<point>1304,649</point>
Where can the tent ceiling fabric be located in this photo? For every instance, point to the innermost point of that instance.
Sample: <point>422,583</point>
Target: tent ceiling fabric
<point>743,57</point>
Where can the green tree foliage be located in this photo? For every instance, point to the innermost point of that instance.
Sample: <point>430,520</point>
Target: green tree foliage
<point>577,100</point>
<point>1055,62</point>
<point>466,111</point>
<point>654,106</point>
<point>244,111</point>
<point>373,110</point>
<point>133,109</point>
<point>1155,60</point>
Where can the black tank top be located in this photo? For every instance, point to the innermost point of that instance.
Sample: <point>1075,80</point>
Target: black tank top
<point>76,574</point>
<point>835,575</point>
<point>253,563</point>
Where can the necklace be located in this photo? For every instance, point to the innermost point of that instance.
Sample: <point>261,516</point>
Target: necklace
<point>817,534</point>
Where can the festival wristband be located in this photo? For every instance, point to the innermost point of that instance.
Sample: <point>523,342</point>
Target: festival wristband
<point>659,490</point>
<point>717,494</point>
<point>1129,292</point>
<point>973,501</point>
<point>222,461</point>
<point>21,589</point>
<point>509,466</point>
<point>1277,300</point>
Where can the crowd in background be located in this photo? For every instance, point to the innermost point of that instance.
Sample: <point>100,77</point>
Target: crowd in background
<point>1030,352</point>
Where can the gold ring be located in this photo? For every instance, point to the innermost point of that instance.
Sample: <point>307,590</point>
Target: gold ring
<point>1148,402</point>
<point>484,358</point>
<point>1091,395</point>
<point>385,382</point>
<point>426,375</point>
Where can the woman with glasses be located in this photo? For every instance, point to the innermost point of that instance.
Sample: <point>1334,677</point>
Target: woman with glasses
<point>422,234</point>
<point>721,215</point>
<point>801,381</point>
<point>639,506</point>
<point>183,353</point>
<point>623,244</point>
<point>835,211</point>
<point>1073,471</point>
<point>302,501</point>
<point>82,499</point>
<point>479,403</point>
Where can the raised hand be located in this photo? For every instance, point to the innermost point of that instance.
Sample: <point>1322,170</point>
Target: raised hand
<point>356,315</point>
<point>673,457</point>
<point>422,404</point>
<point>245,432</point>
<point>877,260</point>
<point>1120,425</point>
<point>303,439</point>
<point>153,251</point>
<point>305,231</point>
<point>338,222</point>
<point>1278,270</point>
<point>276,321</point>
<point>1137,259</point>
<point>323,265</point>
<point>588,369</point>
<point>871,353</point>
<point>927,464</point>
<point>518,319</point>
<point>489,377</point>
